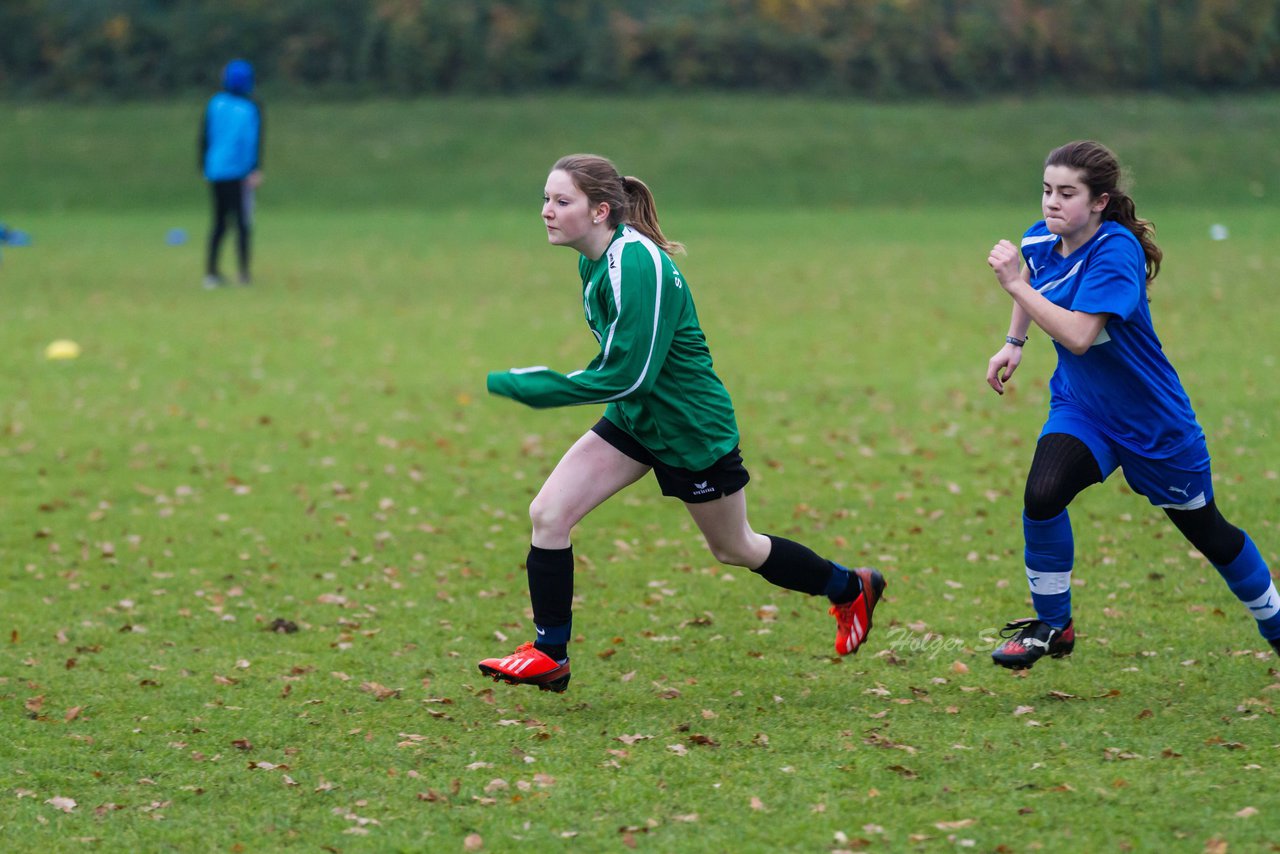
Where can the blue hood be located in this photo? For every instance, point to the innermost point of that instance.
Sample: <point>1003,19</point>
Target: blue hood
<point>237,77</point>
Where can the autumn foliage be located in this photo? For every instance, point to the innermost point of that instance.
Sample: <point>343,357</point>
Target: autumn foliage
<point>885,49</point>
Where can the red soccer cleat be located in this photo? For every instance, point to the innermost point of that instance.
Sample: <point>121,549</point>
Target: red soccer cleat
<point>853,619</point>
<point>528,666</point>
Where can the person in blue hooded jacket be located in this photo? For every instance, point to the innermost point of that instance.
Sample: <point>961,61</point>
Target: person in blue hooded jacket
<point>231,137</point>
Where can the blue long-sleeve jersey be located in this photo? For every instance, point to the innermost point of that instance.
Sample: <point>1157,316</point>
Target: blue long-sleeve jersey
<point>231,137</point>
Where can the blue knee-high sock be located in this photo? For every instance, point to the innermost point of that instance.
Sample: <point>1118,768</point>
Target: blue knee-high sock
<point>1249,578</point>
<point>1050,553</point>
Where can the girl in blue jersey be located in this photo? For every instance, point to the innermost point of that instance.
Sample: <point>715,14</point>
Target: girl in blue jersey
<point>1115,401</point>
<point>666,412</point>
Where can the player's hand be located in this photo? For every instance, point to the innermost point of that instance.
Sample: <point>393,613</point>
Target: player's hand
<point>1001,366</point>
<point>254,179</point>
<point>1004,262</point>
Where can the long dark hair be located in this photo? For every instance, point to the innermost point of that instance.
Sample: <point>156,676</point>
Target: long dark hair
<point>629,198</point>
<point>1100,171</point>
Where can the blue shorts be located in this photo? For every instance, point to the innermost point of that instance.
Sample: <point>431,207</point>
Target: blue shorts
<point>1182,482</point>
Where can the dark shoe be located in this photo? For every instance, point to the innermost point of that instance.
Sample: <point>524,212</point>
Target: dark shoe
<point>1275,644</point>
<point>528,666</point>
<point>853,619</point>
<point>1029,640</point>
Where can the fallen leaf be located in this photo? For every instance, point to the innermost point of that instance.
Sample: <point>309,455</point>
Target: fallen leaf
<point>473,842</point>
<point>382,692</point>
<point>1113,753</point>
<point>60,803</point>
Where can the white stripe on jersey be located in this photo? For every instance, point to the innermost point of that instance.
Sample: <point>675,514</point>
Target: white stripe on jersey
<point>630,235</point>
<point>615,284</point>
<point>1043,238</point>
<point>532,370</point>
<point>1048,286</point>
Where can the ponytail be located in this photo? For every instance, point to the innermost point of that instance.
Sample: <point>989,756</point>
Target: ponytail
<point>642,214</point>
<point>1120,208</point>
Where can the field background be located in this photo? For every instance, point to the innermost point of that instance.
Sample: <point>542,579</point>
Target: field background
<point>319,449</point>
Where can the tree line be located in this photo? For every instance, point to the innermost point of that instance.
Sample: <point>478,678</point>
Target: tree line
<point>870,48</point>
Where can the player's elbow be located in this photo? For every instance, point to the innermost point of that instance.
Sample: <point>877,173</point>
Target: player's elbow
<point>1078,347</point>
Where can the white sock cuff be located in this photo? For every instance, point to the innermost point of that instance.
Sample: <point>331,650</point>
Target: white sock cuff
<point>1048,583</point>
<point>1265,606</point>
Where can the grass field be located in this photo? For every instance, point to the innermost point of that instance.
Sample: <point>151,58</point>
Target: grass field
<point>318,450</point>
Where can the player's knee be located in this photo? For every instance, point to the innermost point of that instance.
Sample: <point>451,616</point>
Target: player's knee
<point>732,553</point>
<point>548,516</point>
<point>1211,534</point>
<point>1043,501</point>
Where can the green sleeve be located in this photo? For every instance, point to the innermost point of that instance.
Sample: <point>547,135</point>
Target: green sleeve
<point>633,346</point>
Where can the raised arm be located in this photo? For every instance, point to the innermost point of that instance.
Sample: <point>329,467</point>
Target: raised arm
<point>1075,330</point>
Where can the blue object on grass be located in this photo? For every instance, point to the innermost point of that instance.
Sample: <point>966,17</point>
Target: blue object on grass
<point>176,236</point>
<point>13,236</point>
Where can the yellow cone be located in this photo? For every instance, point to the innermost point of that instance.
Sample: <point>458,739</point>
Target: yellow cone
<point>63,348</point>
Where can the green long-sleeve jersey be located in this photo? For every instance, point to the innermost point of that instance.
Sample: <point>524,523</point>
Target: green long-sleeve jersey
<point>654,368</point>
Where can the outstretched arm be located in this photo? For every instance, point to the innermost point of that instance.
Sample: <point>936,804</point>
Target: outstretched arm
<point>633,348</point>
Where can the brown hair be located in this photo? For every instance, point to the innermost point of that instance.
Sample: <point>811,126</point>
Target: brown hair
<point>1100,171</point>
<point>629,199</point>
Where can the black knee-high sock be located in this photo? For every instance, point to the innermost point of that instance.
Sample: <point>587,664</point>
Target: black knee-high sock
<point>551,593</point>
<point>797,567</point>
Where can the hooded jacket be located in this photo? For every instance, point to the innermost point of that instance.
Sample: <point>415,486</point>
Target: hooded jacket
<point>232,131</point>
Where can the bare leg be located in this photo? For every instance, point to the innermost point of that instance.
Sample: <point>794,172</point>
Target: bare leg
<point>589,473</point>
<point>724,526</point>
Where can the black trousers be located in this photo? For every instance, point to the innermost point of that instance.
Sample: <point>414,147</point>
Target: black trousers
<point>230,201</point>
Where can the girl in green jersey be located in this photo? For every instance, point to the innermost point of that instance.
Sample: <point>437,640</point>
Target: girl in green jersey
<point>666,411</point>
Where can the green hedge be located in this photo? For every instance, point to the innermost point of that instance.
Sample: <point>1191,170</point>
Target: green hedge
<point>876,48</point>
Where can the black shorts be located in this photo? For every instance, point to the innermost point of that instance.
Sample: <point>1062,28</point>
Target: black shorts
<point>726,475</point>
